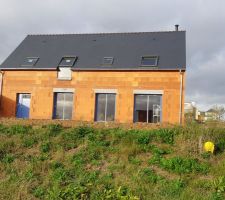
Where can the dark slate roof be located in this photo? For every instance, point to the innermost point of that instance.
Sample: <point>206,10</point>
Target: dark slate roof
<point>126,48</point>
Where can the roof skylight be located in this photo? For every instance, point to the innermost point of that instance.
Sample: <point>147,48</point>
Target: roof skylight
<point>151,61</point>
<point>67,61</point>
<point>30,61</point>
<point>107,61</point>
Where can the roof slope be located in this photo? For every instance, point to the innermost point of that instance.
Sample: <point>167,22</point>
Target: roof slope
<point>126,48</point>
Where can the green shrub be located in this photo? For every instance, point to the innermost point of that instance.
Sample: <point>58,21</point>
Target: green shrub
<point>166,135</point>
<point>29,175</point>
<point>29,141</point>
<point>159,151</point>
<point>6,147</point>
<point>172,188</point>
<point>143,139</point>
<point>69,140</point>
<point>59,175</point>
<point>206,155</point>
<point>98,138</point>
<point>78,159</point>
<point>3,129</point>
<point>18,129</point>
<point>122,193</point>
<point>43,157</point>
<point>155,159</point>
<point>220,145</point>
<point>219,185</point>
<point>183,165</point>
<point>133,160</point>
<point>38,192</point>
<point>54,129</point>
<point>8,158</point>
<point>45,147</point>
<point>82,131</point>
<point>56,164</point>
<point>149,176</point>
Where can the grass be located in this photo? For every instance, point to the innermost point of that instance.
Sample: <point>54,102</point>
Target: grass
<point>86,162</point>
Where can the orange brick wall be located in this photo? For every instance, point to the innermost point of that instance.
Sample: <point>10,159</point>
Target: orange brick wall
<point>41,83</point>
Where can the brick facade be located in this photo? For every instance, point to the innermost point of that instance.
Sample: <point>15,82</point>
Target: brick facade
<point>41,84</point>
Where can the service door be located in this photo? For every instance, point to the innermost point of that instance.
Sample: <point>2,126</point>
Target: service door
<point>23,106</point>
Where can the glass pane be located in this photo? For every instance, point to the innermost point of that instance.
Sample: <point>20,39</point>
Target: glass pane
<point>140,108</point>
<point>29,61</point>
<point>151,61</point>
<point>110,115</point>
<point>59,101</point>
<point>67,61</point>
<point>100,107</point>
<point>154,106</point>
<point>108,60</point>
<point>68,105</point>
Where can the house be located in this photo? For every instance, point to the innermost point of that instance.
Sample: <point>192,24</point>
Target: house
<point>122,77</point>
<point>211,115</point>
<point>190,110</point>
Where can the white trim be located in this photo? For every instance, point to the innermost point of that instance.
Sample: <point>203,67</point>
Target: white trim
<point>148,91</point>
<point>106,91</point>
<point>64,90</point>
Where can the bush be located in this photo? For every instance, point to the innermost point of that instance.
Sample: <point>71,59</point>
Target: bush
<point>56,165</point>
<point>149,176</point>
<point>220,145</point>
<point>29,141</point>
<point>166,135</point>
<point>69,140</point>
<point>38,192</point>
<point>82,131</point>
<point>143,139</point>
<point>8,158</point>
<point>54,129</point>
<point>6,147</point>
<point>172,188</point>
<point>45,147</point>
<point>18,129</point>
<point>183,165</point>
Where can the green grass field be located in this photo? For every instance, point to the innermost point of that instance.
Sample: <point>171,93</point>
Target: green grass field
<point>52,162</point>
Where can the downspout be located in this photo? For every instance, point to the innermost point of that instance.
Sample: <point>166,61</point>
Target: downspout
<point>181,94</point>
<point>1,83</point>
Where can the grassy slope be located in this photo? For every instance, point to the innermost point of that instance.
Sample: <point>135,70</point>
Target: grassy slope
<point>51,162</point>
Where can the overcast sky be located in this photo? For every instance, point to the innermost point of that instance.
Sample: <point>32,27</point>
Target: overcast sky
<point>204,21</point>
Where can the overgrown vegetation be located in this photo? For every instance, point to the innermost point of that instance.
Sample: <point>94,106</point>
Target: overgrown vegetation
<point>53,162</point>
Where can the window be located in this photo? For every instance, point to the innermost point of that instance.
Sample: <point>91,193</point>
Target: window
<point>105,107</point>
<point>64,73</point>
<point>107,61</point>
<point>63,105</point>
<point>30,61</point>
<point>67,61</point>
<point>149,61</point>
<point>147,108</point>
<point>23,105</point>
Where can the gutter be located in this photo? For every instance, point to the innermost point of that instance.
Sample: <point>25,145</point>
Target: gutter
<point>181,94</point>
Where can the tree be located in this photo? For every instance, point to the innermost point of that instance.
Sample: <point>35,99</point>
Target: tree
<point>219,111</point>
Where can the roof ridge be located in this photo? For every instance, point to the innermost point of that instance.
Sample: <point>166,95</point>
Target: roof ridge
<point>105,33</point>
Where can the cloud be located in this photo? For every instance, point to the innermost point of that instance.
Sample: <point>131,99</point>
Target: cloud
<point>202,19</point>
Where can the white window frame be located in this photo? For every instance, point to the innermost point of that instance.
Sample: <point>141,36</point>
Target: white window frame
<point>101,91</point>
<point>149,92</point>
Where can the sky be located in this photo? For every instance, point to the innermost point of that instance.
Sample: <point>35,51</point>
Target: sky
<point>203,20</point>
